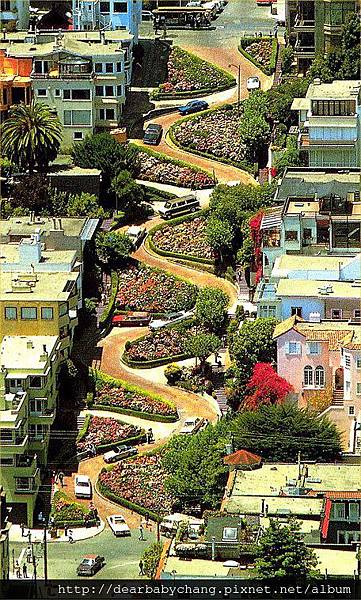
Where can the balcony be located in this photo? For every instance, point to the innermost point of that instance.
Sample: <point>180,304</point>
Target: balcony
<point>303,23</point>
<point>304,139</point>
<point>30,487</point>
<point>25,465</point>
<point>16,445</point>
<point>304,50</point>
<point>45,417</point>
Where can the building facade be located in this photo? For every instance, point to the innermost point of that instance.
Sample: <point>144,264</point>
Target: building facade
<point>107,15</point>
<point>14,14</point>
<point>15,83</point>
<point>329,119</point>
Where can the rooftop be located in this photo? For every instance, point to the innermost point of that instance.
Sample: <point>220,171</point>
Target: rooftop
<point>43,286</point>
<point>47,45</point>
<point>316,289</point>
<point>337,90</point>
<point>9,254</point>
<point>337,333</point>
<point>72,227</point>
<point>317,183</point>
<point>26,353</point>
<point>288,262</point>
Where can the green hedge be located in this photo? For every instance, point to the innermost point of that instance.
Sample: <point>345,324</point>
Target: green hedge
<point>136,413</point>
<point>193,93</point>
<point>132,441</point>
<point>180,163</point>
<point>70,524</point>
<point>104,320</point>
<point>149,364</point>
<point>247,41</point>
<point>104,491</point>
<point>83,431</point>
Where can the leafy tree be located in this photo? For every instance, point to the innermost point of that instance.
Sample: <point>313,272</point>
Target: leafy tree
<point>202,345</point>
<point>251,344</point>
<point>289,157</point>
<point>278,432</point>
<point>219,235</point>
<point>84,204</point>
<point>255,104</point>
<point>31,136</point>
<point>210,309</point>
<point>31,194</point>
<point>128,193</point>
<point>282,552</point>
<point>281,97</point>
<point>255,133</point>
<point>245,254</point>
<point>265,387</point>
<point>112,248</point>
<point>150,558</point>
<point>287,57</point>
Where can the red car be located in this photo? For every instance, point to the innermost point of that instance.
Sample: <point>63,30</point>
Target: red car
<point>135,319</point>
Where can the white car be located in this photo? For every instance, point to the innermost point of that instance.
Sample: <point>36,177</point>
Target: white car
<point>172,319</point>
<point>82,487</point>
<point>136,235</point>
<point>190,426</point>
<point>253,83</point>
<point>118,525</point>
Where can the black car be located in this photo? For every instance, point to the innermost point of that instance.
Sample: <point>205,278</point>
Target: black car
<point>90,564</point>
<point>193,106</point>
<point>153,134</point>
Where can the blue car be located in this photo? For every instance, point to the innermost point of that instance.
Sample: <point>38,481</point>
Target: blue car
<point>192,107</point>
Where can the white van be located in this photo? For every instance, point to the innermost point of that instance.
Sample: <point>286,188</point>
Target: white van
<point>82,487</point>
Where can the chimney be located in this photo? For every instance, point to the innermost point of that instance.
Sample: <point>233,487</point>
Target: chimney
<point>315,317</point>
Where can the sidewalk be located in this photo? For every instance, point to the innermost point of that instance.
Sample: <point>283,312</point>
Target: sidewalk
<point>37,535</point>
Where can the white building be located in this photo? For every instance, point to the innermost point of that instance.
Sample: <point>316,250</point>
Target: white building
<point>108,14</point>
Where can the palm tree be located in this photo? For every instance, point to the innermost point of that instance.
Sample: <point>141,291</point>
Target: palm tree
<point>31,136</point>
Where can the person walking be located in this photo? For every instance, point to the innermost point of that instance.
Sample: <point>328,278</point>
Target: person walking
<point>61,478</point>
<point>25,571</point>
<point>22,527</point>
<point>17,570</point>
<point>29,536</point>
<point>65,530</point>
<point>28,554</point>
<point>141,568</point>
<point>141,533</point>
<point>70,536</point>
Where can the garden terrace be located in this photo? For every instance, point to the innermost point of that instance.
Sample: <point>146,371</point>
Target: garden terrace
<point>147,289</point>
<point>120,396</point>
<point>214,134</point>
<point>66,511</point>
<point>262,52</point>
<point>158,167</point>
<point>185,239</point>
<point>106,432</point>
<point>188,75</point>
<point>161,347</point>
<point>138,483</point>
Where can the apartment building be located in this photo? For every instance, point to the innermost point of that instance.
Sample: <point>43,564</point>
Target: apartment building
<point>324,356</point>
<point>83,76</point>
<point>4,537</point>
<point>315,27</point>
<point>15,83</point>
<point>108,14</point>
<point>329,121</point>
<point>14,14</point>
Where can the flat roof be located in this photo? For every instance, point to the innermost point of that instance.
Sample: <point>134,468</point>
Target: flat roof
<point>337,90</point>
<point>17,353</point>
<point>48,287</point>
<point>72,226</point>
<point>311,288</point>
<point>9,253</point>
<point>89,47</point>
<point>296,262</point>
<point>317,183</point>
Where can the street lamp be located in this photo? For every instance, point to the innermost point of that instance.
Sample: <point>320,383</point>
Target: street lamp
<point>238,67</point>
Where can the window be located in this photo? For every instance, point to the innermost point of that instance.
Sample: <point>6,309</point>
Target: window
<point>293,348</point>
<point>37,432</point>
<point>109,90</point>
<point>63,309</point>
<point>357,314</point>
<point>229,534</point>
<point>347,359</point>
<point>120,7</point>
<point>11,313</point>
<point>16,383</point>
<point>47,313</point>
<point>99,90</point>
<point>106,114</point>
<point>80,94</point>
<point>78,135</point>
<point>336,313</point>
<point>42,92</point>
<point>308,376</point>
<point>358,389</point>
<point>6,435</point>
<point>104,7</point>
<point>6,461</point>
<point>29,313</point>
<point>346,235</point>
<point>23,484</point>
<point>319,376</point>
<point>358,362</point>
<point>271,311</point>
<point>36,405</point>
<point>296,310</point>
<point>351,411</point>
<point>109,67</point>
<point>98,68</point>
<point>35,382</point>
<point>291,235</point>
<point>77,117</point>
<point>313,348</point>
<point>119,67</point>
<point>57,93</point>
<point>66,94</point>
<point>119,90</point>
<point>307,234</point>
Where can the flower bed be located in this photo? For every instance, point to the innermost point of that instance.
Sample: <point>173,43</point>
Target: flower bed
<point>188,237</point>
<point>261,51</point>
<point>159,168</point>
<point>66,511</point>
<point>105,432</point>
<point>189,73</point>
<point>214,133</point>
<point>152,290</point>
<point>189,378</point>
<point>139,481</point>
<point>166,343</point>
<point>114,393</point>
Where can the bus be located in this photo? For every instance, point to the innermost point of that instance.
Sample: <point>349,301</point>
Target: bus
<point>196,17</point>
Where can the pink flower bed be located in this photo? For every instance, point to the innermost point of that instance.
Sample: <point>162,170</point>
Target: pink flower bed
<point>186,238</point>
<point>140,480</point>
<point>164,343</point>
<point>161,170</point>
<point>106,430</point>
<point>133,401</point>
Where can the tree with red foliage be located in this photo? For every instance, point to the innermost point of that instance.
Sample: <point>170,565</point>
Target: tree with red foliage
<point>265,387</point>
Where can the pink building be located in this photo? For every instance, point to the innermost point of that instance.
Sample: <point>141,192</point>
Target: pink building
<point>322,361</point>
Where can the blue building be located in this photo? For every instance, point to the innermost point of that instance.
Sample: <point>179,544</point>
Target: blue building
<point>108,15</point>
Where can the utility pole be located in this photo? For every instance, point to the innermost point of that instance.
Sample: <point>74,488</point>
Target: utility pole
<point>45,555</point>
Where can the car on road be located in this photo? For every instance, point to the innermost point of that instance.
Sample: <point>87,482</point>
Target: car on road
<point>193,106</point>
<point>153,134</point>
<point>170,319</point>
<point>253,83</point>
<point>192,425</point>
<point>90,564</point>
<point>118,525</point>
<point>136,235</point>
<point>179,206</point>
<point>119,453</point>
<point>82,486</point>
<point>131,319</point>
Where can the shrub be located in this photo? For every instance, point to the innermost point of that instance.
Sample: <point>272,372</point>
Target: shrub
<point>151,557</point>
<point>172,373</point>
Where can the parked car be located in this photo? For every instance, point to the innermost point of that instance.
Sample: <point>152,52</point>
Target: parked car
<point>153,134</point>
<point>147,15</point>
<point>118,525</point>
<point>193,106</point>
<point>90,564</point>
<point>253,83</point>
<point>136,235</point>
<point>192,425</point>
<point>171,319</point>
<point>119,453</point>
<point>183,205</point>
<point>170,523</point>
<point>131,319</point>
<point>82,486</point>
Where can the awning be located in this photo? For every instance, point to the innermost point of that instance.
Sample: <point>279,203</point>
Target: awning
<point>272,220</point>
<point>326,519</point>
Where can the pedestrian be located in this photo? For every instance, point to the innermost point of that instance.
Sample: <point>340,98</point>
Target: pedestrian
<point>40,517</point>
<point>65,530</point>
<point>52,521</point>
<point>28,554</point>
<point>70,537</point>
<point>146,519</point>
<point>141,569</point>
<point>25,571</point>
<point>141,534</point>
<point>22,527</point>
<point>29,536</point>
<point>17,569</point>
<point>61,478</point>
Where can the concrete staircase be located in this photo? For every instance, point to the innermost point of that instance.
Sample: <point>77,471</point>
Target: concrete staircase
<point>337,399</point>
<point>219,390</point>
<point>80,420</point>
